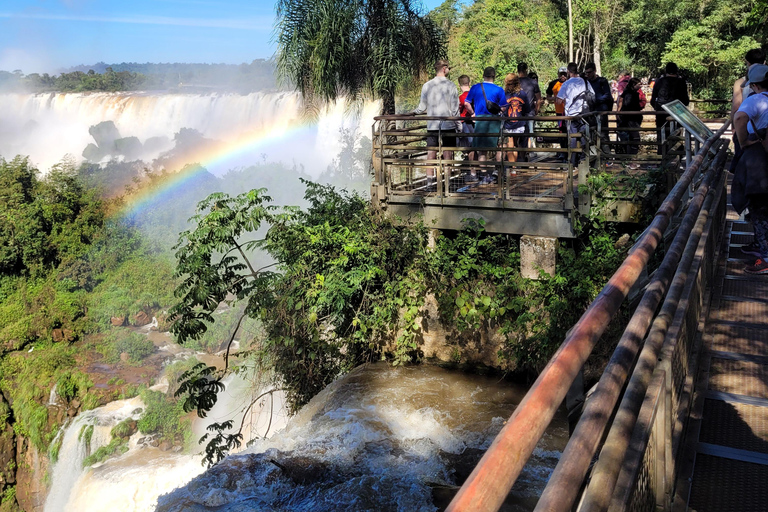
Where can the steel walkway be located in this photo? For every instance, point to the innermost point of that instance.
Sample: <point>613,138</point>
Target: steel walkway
<point>726,465</point>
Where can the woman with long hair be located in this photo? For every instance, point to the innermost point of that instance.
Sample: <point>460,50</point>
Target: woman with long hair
<point>518,105</point>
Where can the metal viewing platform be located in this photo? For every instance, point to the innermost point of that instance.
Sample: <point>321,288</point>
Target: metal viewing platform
<point>541,193</point>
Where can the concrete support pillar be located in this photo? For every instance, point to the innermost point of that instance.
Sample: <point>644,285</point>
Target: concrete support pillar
<point>537,253</point>
<point>432,236</point>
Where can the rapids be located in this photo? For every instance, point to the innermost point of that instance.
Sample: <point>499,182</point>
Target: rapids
<point>133,481</point>
<point>380,438</point>
<point>251,128</point>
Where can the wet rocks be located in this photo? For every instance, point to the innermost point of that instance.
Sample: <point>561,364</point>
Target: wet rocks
<point>141,319</point>
<point>60,335</point>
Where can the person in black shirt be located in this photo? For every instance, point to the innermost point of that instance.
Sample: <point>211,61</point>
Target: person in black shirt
<point>630,101</point>
<point>668,88</point>
<point>603,101</point>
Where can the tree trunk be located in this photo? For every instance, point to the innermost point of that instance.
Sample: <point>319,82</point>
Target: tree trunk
<point>596,52</point>
<point>570,32</point>
<point>387,103</point>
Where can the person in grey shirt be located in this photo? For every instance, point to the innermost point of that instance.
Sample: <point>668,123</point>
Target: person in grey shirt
<point>439,97</point>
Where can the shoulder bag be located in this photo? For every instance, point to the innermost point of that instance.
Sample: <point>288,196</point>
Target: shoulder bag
<point>491,106</point>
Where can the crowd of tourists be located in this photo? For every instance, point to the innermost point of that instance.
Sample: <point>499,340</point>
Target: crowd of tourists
<point>574,93</point>
<point>484,106</point>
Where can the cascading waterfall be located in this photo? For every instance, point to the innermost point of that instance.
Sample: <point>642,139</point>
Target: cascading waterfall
<point>133,481</point>
<point>379,439</point>
<point>259,125</point>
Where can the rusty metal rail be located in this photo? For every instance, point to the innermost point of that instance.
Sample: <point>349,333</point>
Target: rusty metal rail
<point>490,482</point>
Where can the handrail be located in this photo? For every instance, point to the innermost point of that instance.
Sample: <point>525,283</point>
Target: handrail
<point>493,477</point>
<point>606,471</point>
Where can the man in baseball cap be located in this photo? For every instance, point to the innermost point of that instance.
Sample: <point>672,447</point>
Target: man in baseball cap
<point>753,113</point>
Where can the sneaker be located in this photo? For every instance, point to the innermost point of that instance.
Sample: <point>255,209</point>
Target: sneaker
<point>470,178</point>
<point>751,249</point>
<point>488,180</point>
<point>634,166</point>
<point>760,267</point>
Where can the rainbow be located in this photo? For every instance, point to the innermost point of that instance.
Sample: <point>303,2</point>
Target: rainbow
<point>216,158</point>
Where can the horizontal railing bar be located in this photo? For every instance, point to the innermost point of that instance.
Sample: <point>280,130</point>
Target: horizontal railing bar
<point>490,481</point>
<point>736,398</point>
<point>606,471</point>
<point>726,452</point>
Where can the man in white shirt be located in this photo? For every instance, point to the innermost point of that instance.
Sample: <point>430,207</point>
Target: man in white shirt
<point>753,113</point>
<point>572,95</point>
<point>439,97</point>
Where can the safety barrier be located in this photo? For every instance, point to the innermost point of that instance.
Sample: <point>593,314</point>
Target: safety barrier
<point>635,469</point>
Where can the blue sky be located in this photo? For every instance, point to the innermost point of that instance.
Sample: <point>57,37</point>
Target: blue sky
<point>46,35</point>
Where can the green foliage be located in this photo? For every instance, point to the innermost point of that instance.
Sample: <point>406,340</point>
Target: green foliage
<point>55,448</point>
<point>129,76</point>
<point>354,48</point>
<point>502,33</point>
<point>122,429</point>
<point>85,435</point>
<point>119,341</point>
<point>43,222</point>
<point>117,446</point>
<point>27,379</point>
<point>9,495</point>
<point>162,415</point>
<point>73,384</point>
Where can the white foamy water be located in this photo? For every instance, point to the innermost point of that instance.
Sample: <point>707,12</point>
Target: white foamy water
<point>133,481</point>
<point>379,439</point>
<point>259,125</point>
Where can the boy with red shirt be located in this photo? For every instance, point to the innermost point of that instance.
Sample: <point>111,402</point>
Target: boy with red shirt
<point>469,126</point>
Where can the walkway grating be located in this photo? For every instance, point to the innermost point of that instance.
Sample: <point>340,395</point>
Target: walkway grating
<point>728,428</point>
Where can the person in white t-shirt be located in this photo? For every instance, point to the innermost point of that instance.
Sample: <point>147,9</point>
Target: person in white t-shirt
<point>753,113</point>
<point>572,95</point>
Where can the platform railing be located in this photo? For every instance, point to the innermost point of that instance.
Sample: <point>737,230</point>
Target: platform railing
<point>493,477</point>
<point>402,165</point>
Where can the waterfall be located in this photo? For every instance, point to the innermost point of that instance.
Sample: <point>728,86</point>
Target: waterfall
<point>380,438</point>
<point>132,481</point>
<point>258,125</point>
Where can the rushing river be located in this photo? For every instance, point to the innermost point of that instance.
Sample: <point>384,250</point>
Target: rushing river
<point>380,439</point>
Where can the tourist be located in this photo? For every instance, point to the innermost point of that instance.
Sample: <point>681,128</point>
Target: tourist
<point>572,96</point>
<point>603,103</point>
<point>624,78</point>
<point>532,90</point>
<point>631,100</point>
<point>482,96</point>
<point>440,99</point>
<point>741,90</point>
<point>468,126</point>
<point>552,89</point>
<point>518,105</point>
<point>753,113</point>
<point>667,89</point>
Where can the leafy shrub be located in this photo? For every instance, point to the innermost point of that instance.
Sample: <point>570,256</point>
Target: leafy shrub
<point>119,341</point>
<point>116,446</point>
<point>162,415</point>
<point>72,384</point>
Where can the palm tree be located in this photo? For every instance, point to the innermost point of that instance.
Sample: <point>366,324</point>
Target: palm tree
<point>354,48</point>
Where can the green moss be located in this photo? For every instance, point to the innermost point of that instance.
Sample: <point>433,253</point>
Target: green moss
<point>117,446</point>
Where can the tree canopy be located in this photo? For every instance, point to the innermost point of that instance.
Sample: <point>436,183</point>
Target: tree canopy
<point>354,48</point>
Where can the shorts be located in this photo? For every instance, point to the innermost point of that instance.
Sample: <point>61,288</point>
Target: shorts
<point>519,141</point>
<point>448,138</point>
<point>465,141</point>
<point>486,141</point>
